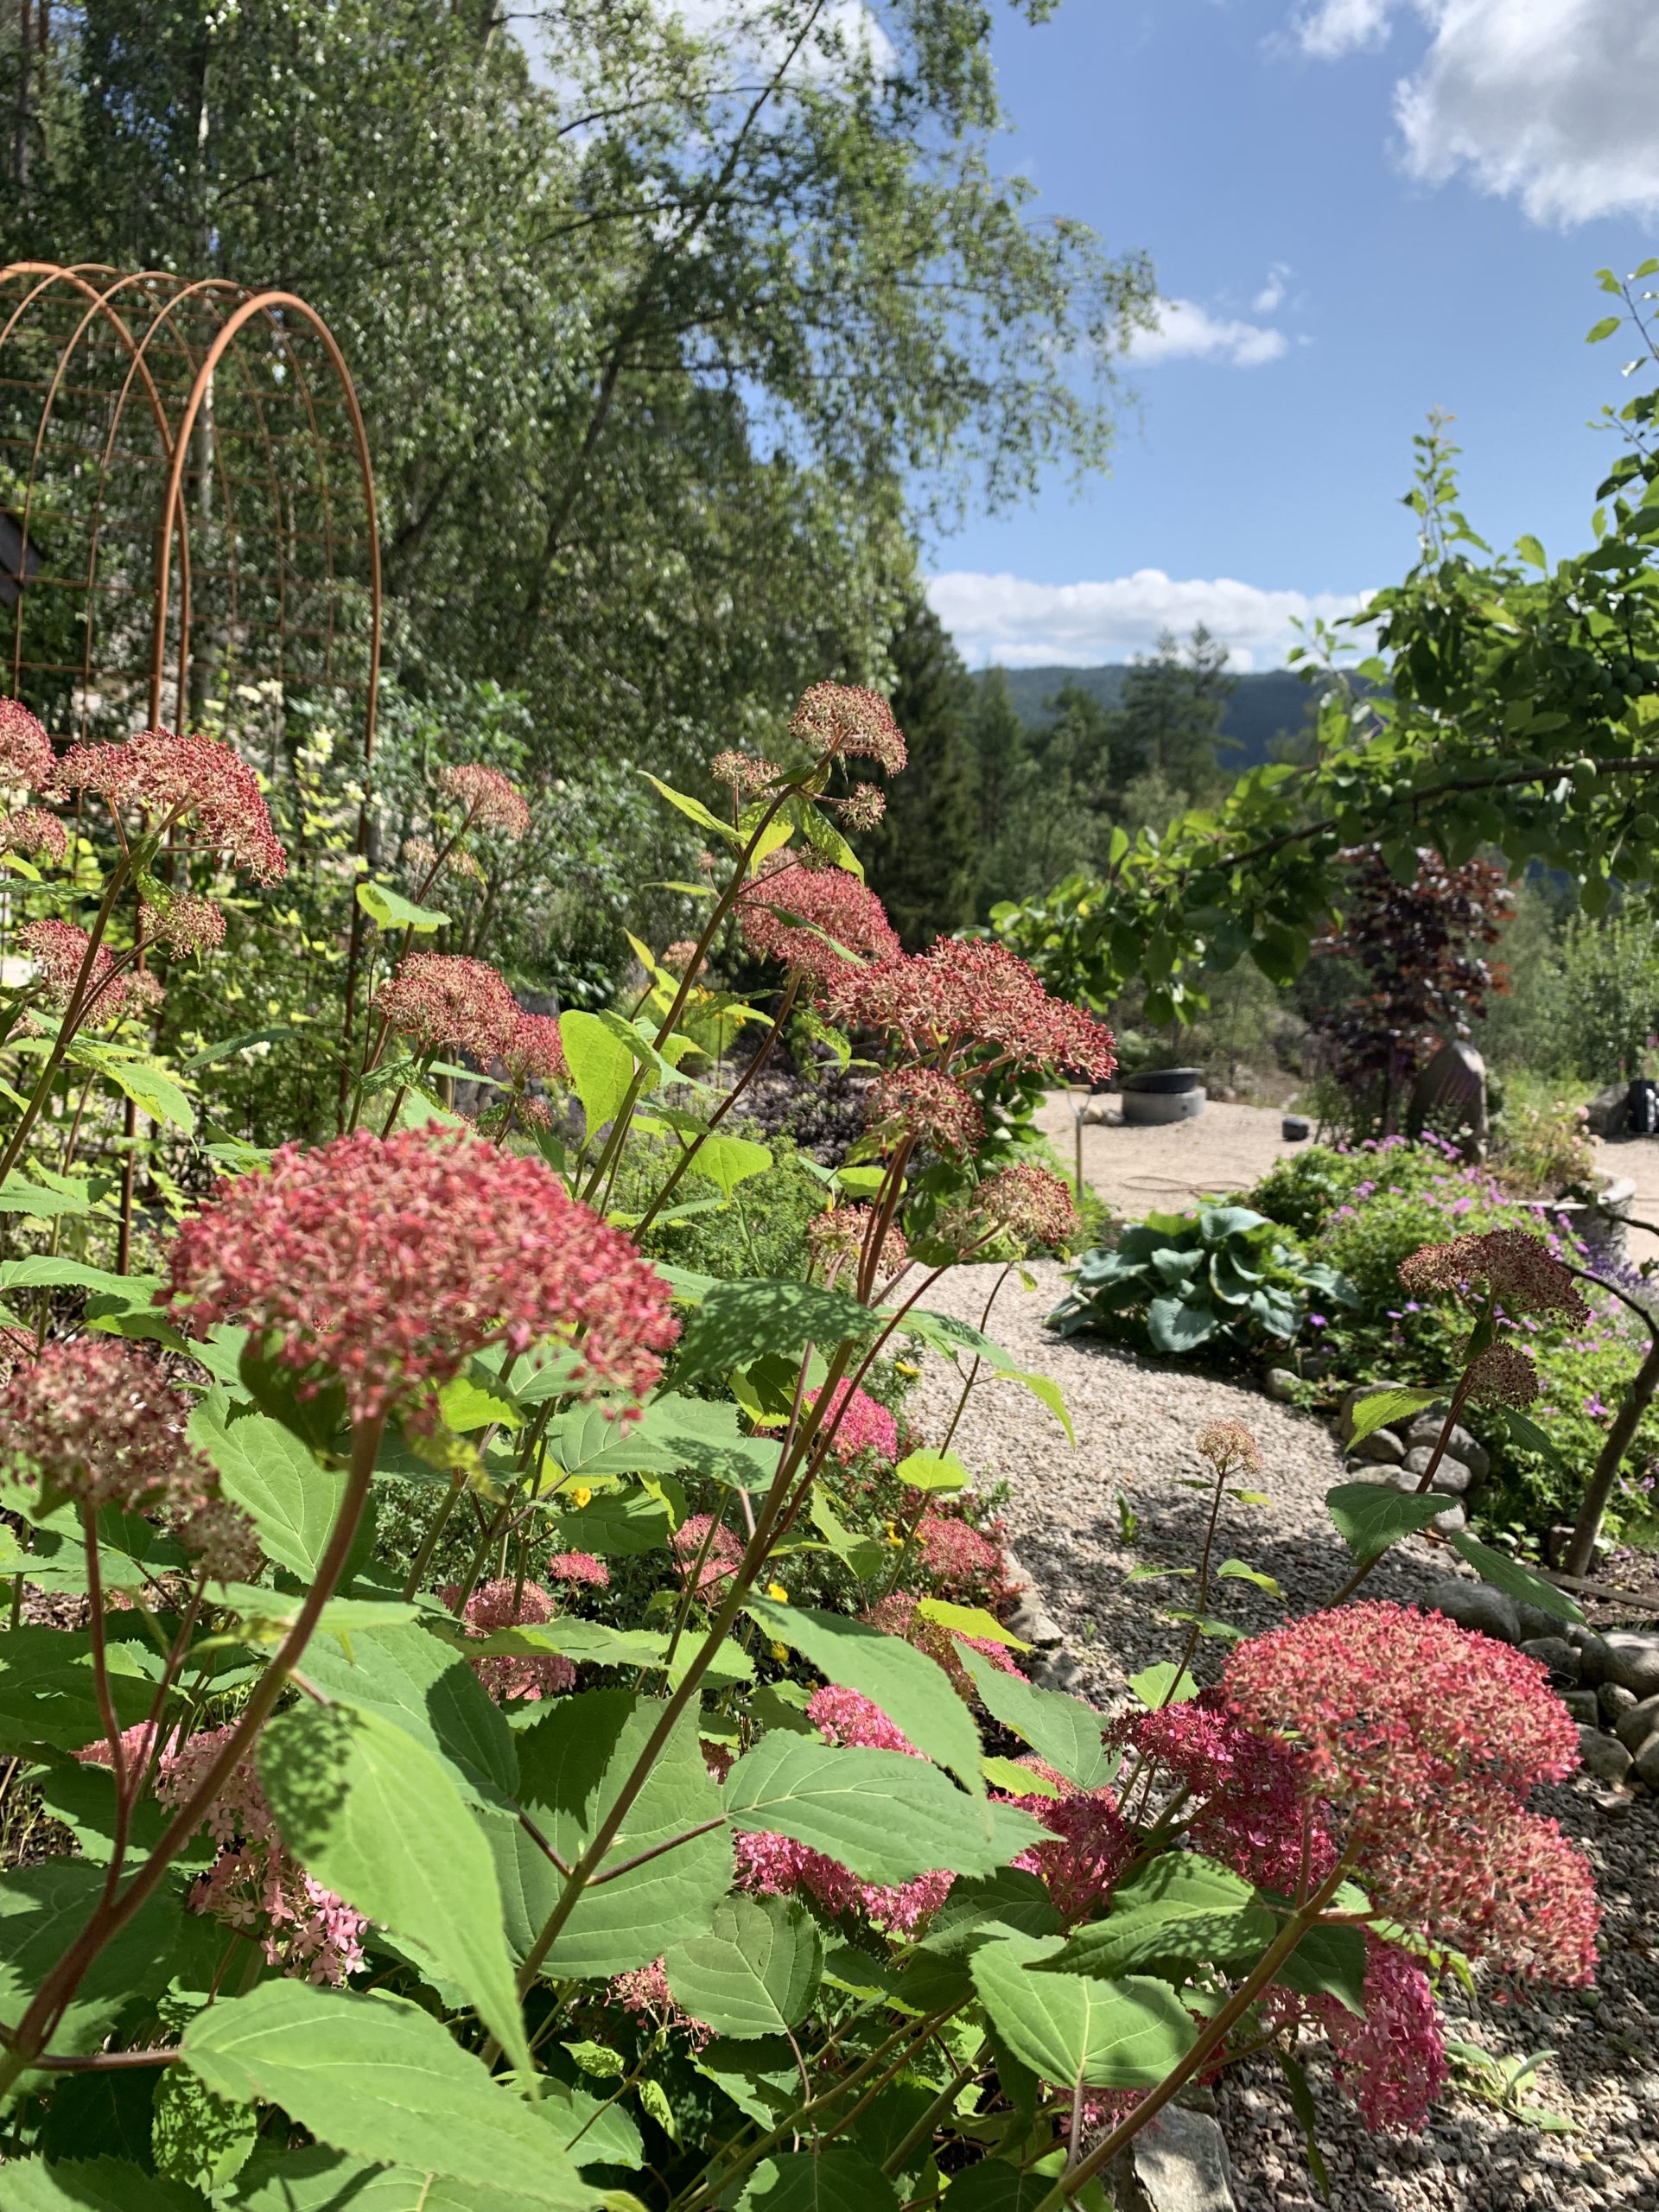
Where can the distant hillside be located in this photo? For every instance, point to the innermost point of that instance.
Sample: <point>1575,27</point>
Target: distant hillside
<point>1272,703</point>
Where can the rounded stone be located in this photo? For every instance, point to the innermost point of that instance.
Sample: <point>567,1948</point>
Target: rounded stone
<point>1581,1706</point>
<point>1633,1661</point>
<point>1425,1433</point>
<point>1382,1448</point>
<point>1556,1652</point>
<point>1603,1757</point>
<point>1644,1767</point>
<point>1613,1701</point>
<point>1280,1384</point>
<point>1452,1476</point>
<point>1453,1521</point>
<point>1634,1726</point>
<point>1476,1606</point>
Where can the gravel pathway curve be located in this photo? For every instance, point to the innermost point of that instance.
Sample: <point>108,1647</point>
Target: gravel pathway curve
<point>1066,1513</point>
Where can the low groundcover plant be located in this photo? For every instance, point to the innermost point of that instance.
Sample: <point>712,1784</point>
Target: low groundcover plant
<point>517,1725</point>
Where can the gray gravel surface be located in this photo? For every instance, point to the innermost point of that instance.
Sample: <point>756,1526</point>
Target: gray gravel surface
<point>1135,1421</point>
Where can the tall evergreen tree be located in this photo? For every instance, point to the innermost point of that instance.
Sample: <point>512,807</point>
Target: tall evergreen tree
<point>999,752</point>
<point>923,859</point>
<point>1169,723</point>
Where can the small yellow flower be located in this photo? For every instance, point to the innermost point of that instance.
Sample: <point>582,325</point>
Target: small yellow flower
<point>780,1652</point>
<point>583,1496</point>
<point>777,1591</point>
<point>894,1536</point>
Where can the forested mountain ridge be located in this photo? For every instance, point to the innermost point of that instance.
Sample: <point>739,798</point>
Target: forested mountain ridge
<point>1269,703</point>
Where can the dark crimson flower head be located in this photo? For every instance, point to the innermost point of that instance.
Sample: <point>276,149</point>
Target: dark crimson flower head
<point>184,779</point>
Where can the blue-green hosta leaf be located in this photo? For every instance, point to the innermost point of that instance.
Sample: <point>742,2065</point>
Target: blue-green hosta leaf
<point>911,1689</point>
<point>754,1974</point>
<point>1061,1730</point>
<point>1180,1912</point>
<point>373,1815</point>
<point>886,1816</point>
<point>291,1498</point>
<point>837,2178</point>
<point>1370,1516</point>
<point>382,2080</point>
<point>1508,1574</point>
<point>572,1765</point>
<point>409,1675</point>
<point>1175,1326</point>
<point>1120,2035</point>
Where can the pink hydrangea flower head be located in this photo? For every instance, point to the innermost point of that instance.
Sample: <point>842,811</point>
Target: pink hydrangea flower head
<point>859,1423</point>
<point>1092,1847</point>
<point>1246,1799</point>
<point>845,720</point>
<point>186,924</point>
<point>843,1716</point>
<point>837,1239</point>
<point>255,1885</point>
<point>814,919</point>
<point>679,956</point>
<point>34,833</point>
<point>1520,1271</point>
<point>1028,1202</point>
<point>897,1614</point>
<point>1503,1375</point>
<point>93,1419</point>
<point>535,1049</point>
<point>510,1675</point>
<point>1390,2060</point>
<point>580,1568</point>
<point>926,1105</point>
<point>58,949</point>
<point>643,1992</point>
<point>741,773</point>
<point>389,1261</point>
<point>698,1538</point>
<point>492,800</point>
<point>1230,1447</point>
<point>976,1003</point>
<point>439,999</point>
<point>960,1559</point>
<point>185,779</point>
<point>26,762</point>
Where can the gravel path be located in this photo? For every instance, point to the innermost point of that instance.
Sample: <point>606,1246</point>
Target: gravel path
<point>1135,1421</point>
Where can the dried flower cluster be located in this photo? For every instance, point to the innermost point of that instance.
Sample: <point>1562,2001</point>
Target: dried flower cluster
<point>816,920</point>
<point>847,721</point>
<point>1520,1271</point>
<point>1230,1447</point>
<point>512,1674</point>
<point>444,999</point>
<point>535,1051</point>
<point>1024,1201</point>
<point>838,1240</point>
<point>1503,1375</point>
<point>33,833</point>
<point>927,1105</point>
<point>972,1004</point>
<point>177,778</point>
<point>741,773</point>
<point>491,799</point>
<point>255,1885</point>
<point>26,761</point>
<point>863,807</point>
<point>388,1262</point>
<point>186,924</point>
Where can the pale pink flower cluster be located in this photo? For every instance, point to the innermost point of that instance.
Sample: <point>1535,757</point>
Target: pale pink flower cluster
<point>175,779</point>
<point>863,807</point>
<point>1025,1201</point>
<point>26,761</point>
<point>535,1049</point>
<point>643,1992</point>
<point>439,999</point>
<point>578,1566</point>
<point>698,1539</point>
<point>971,1001</point>
<point>859,1423</point>
<point>837,1238</point>
<point>679,956</point>
<point>93,1419</point>
<point>846,721</point>
<point>57,949</point>
<point>33,833</point>
<point>1424,1739</point>
<point>1230,1447</point>
<point>511,1675</point>
<point>925,1104</point>
<point>255,1885</point>
<point>492,801</point>
<point>792,910</point>
<point>186,924</point>
<point>388,1262</point>
<point>740,772</point>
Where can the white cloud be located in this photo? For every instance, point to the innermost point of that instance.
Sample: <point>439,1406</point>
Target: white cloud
<point>1187,331</point>
<point>1025,625</point>
<point>1271,297</point>
<point>1548,102</point>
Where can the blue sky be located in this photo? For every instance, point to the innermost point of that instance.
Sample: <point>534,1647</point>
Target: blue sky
<point>1365,209</point>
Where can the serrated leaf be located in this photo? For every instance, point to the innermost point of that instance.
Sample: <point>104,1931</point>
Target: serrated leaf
<point>884,1815</point>
<point>1508,1575</point>
<point>601,1067</point>
<point>834,2178</point>
<point>407,1675</point>
<point>1329,1962</point>
<point>1067,2028</point>
<point>94,2186</point>
<point>1383,1409</point>
<point>968,1620</point>
<point>47,1694</point>
<point>1164,1684</point>
<point>933,1470</point>
<point>614,1524</point>
<point>911,1689</point>
<point>42,1908</point>
<point>738,1322</point>
<point>1238,1570</point>
<point>389,910</point>
<point>1369,1516</point>
<point>1180,1912</point>
<point>292,1500</point>
<point>379,2078</point>
<point>754,1974</point>
<point>372,1815</point>
<point>728,1161</point>
<point>197,2137</point>
<point>318,2179</point>
<point>1062,1730</point>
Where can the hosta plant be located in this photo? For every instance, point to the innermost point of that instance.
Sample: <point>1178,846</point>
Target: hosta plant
<point>562,1855</point>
